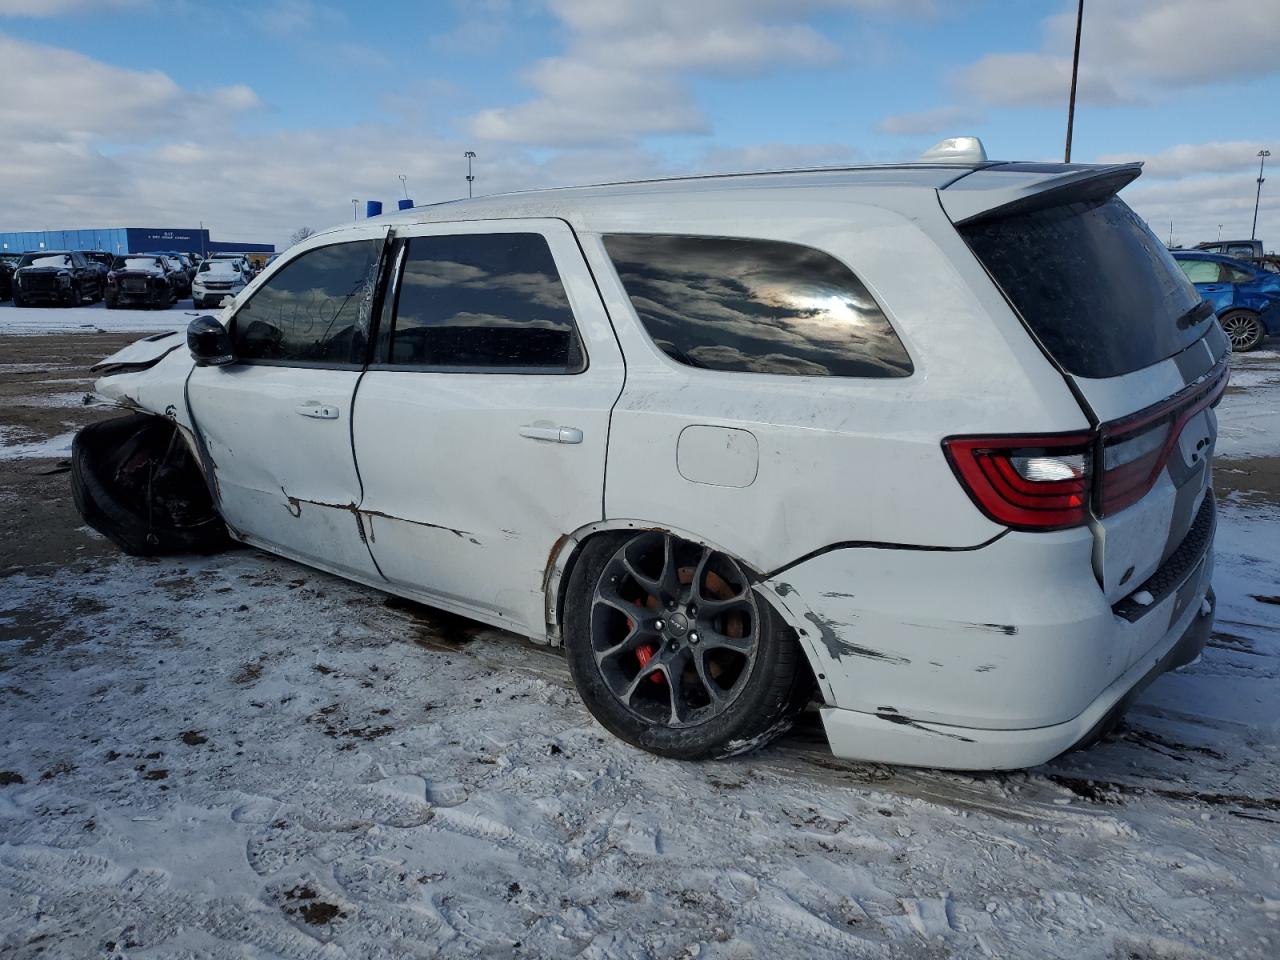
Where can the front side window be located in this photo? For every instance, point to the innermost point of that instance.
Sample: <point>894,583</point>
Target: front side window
<point>1200,271</point>
<point>756,306</point>
<point>314,310</point>
<point>483,302</point>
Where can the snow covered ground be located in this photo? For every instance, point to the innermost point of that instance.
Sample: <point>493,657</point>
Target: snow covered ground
<point>91,318</point>
<point>239,757</point>
<point>240,751</point>
<point>1252,428</point>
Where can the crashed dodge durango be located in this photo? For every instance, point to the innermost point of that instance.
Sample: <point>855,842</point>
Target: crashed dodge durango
<point>928,445</point>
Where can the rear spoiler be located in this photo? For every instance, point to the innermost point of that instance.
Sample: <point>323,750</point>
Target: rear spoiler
<point>1007,189</point>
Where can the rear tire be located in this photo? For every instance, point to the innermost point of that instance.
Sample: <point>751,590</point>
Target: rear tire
<point>673,651</point>
<point>135,482</point>
<point>1243,329</point>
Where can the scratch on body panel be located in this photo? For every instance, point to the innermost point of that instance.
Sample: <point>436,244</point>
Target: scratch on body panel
<point>839,647</point>
<point>294,506</point>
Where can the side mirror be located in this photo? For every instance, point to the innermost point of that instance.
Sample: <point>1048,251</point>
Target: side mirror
<point>209,343</point>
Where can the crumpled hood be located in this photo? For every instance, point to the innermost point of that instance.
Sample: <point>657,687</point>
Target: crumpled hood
<point>140,355</point>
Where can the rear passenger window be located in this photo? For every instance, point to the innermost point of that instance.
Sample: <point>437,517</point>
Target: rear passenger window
<point>1200,271</point>
<point>756,306</point>
<point>479,302</point>
<point>314,310</point>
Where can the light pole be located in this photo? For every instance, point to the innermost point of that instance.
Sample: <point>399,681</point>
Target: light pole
<point>354,205</point>
<point>1075,69</point>
<point>404,185</point>
<point>1262,159</point>
<point>470,155</point>
<point>1219,232</point>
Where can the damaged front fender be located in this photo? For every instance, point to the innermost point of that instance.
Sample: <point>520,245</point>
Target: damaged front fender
<point>149,376</point>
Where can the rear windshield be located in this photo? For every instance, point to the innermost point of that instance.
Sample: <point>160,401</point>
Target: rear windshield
<point>1093,283</point>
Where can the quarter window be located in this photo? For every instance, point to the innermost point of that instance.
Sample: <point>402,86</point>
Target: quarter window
<point>756,306</point>
<point>314,310</point>
<point>483,302</point>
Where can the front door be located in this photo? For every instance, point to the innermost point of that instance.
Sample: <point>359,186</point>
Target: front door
<point>276,424</point>
<point>481,430</point>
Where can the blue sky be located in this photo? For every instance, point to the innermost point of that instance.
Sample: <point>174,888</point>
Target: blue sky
<point>262,116</point>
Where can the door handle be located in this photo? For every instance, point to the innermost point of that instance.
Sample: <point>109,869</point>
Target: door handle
<point>317,411</point>
<point>540,431</point>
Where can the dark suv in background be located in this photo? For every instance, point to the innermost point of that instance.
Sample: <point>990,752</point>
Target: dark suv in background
<point>57,276</point>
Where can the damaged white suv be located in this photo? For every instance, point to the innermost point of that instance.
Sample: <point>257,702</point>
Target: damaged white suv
<point>929,443</point>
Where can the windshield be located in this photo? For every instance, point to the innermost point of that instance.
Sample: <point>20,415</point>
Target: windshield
<point>225,267</point>
<point>46,260</point>
<point>1097,288</point>
<point>136,263</point>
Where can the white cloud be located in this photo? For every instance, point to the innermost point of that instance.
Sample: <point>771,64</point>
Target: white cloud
<point>59,8</point>
<point>1198,186</point>
<point>59,96</point>
<point>1133,51</point>
<point>627,65</point>
<point>949,120</point>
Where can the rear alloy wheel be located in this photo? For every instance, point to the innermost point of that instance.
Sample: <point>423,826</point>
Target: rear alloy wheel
<point>1243,329</point>
<point>674,652</point>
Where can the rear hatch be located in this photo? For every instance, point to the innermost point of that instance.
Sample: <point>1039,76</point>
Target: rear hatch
<point>1144,356</point>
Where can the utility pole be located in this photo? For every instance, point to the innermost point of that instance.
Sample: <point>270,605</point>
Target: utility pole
<point>1262,159</point>
<point>355,206</point>
<point>1075,70</point>
<point>470,155</point>
<point>1219,232</point>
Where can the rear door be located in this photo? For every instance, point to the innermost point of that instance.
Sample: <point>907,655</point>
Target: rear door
<point>481,430</point>
<point>277,423</point>
<point>1145,355</point>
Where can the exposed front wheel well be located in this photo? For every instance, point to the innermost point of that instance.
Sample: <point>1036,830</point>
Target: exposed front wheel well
<point>136,481</point>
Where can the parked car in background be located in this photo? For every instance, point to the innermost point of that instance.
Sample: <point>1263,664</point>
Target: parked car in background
<point>1246,297</point>
<point>180,275</point>
<point>57,276</point>
<point>102,259</point>
<point>216,280</point>
<point>1250,251</point>
<point>8,263</point>
<point>140,280</point>
<point>717,444</point>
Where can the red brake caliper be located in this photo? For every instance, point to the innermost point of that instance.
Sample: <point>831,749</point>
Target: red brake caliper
<point>644,654</point>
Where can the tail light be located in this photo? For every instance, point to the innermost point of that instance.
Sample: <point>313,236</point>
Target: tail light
<point>1026,482</point>
<point>1046,482</point>
<point>1136,448</point>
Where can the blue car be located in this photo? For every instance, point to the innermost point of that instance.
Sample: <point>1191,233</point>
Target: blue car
<point>1246,299</point>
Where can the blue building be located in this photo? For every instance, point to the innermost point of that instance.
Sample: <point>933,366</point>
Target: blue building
<point>126,240</point>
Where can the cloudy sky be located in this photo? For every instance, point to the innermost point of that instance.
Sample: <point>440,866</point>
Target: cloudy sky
<point>260,117</point>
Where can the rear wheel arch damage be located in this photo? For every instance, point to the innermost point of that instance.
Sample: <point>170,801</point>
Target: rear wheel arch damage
<point>730,701</point>
<point>136,480</point>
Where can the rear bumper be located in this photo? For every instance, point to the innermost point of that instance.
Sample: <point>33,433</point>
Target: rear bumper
<point>994,658</point>
<point>899,740</point>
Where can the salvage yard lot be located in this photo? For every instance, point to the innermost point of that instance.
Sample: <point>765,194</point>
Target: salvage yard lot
<point>240,756</point>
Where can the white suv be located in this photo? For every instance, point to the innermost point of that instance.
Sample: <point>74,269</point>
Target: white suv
<point>928,443</point>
